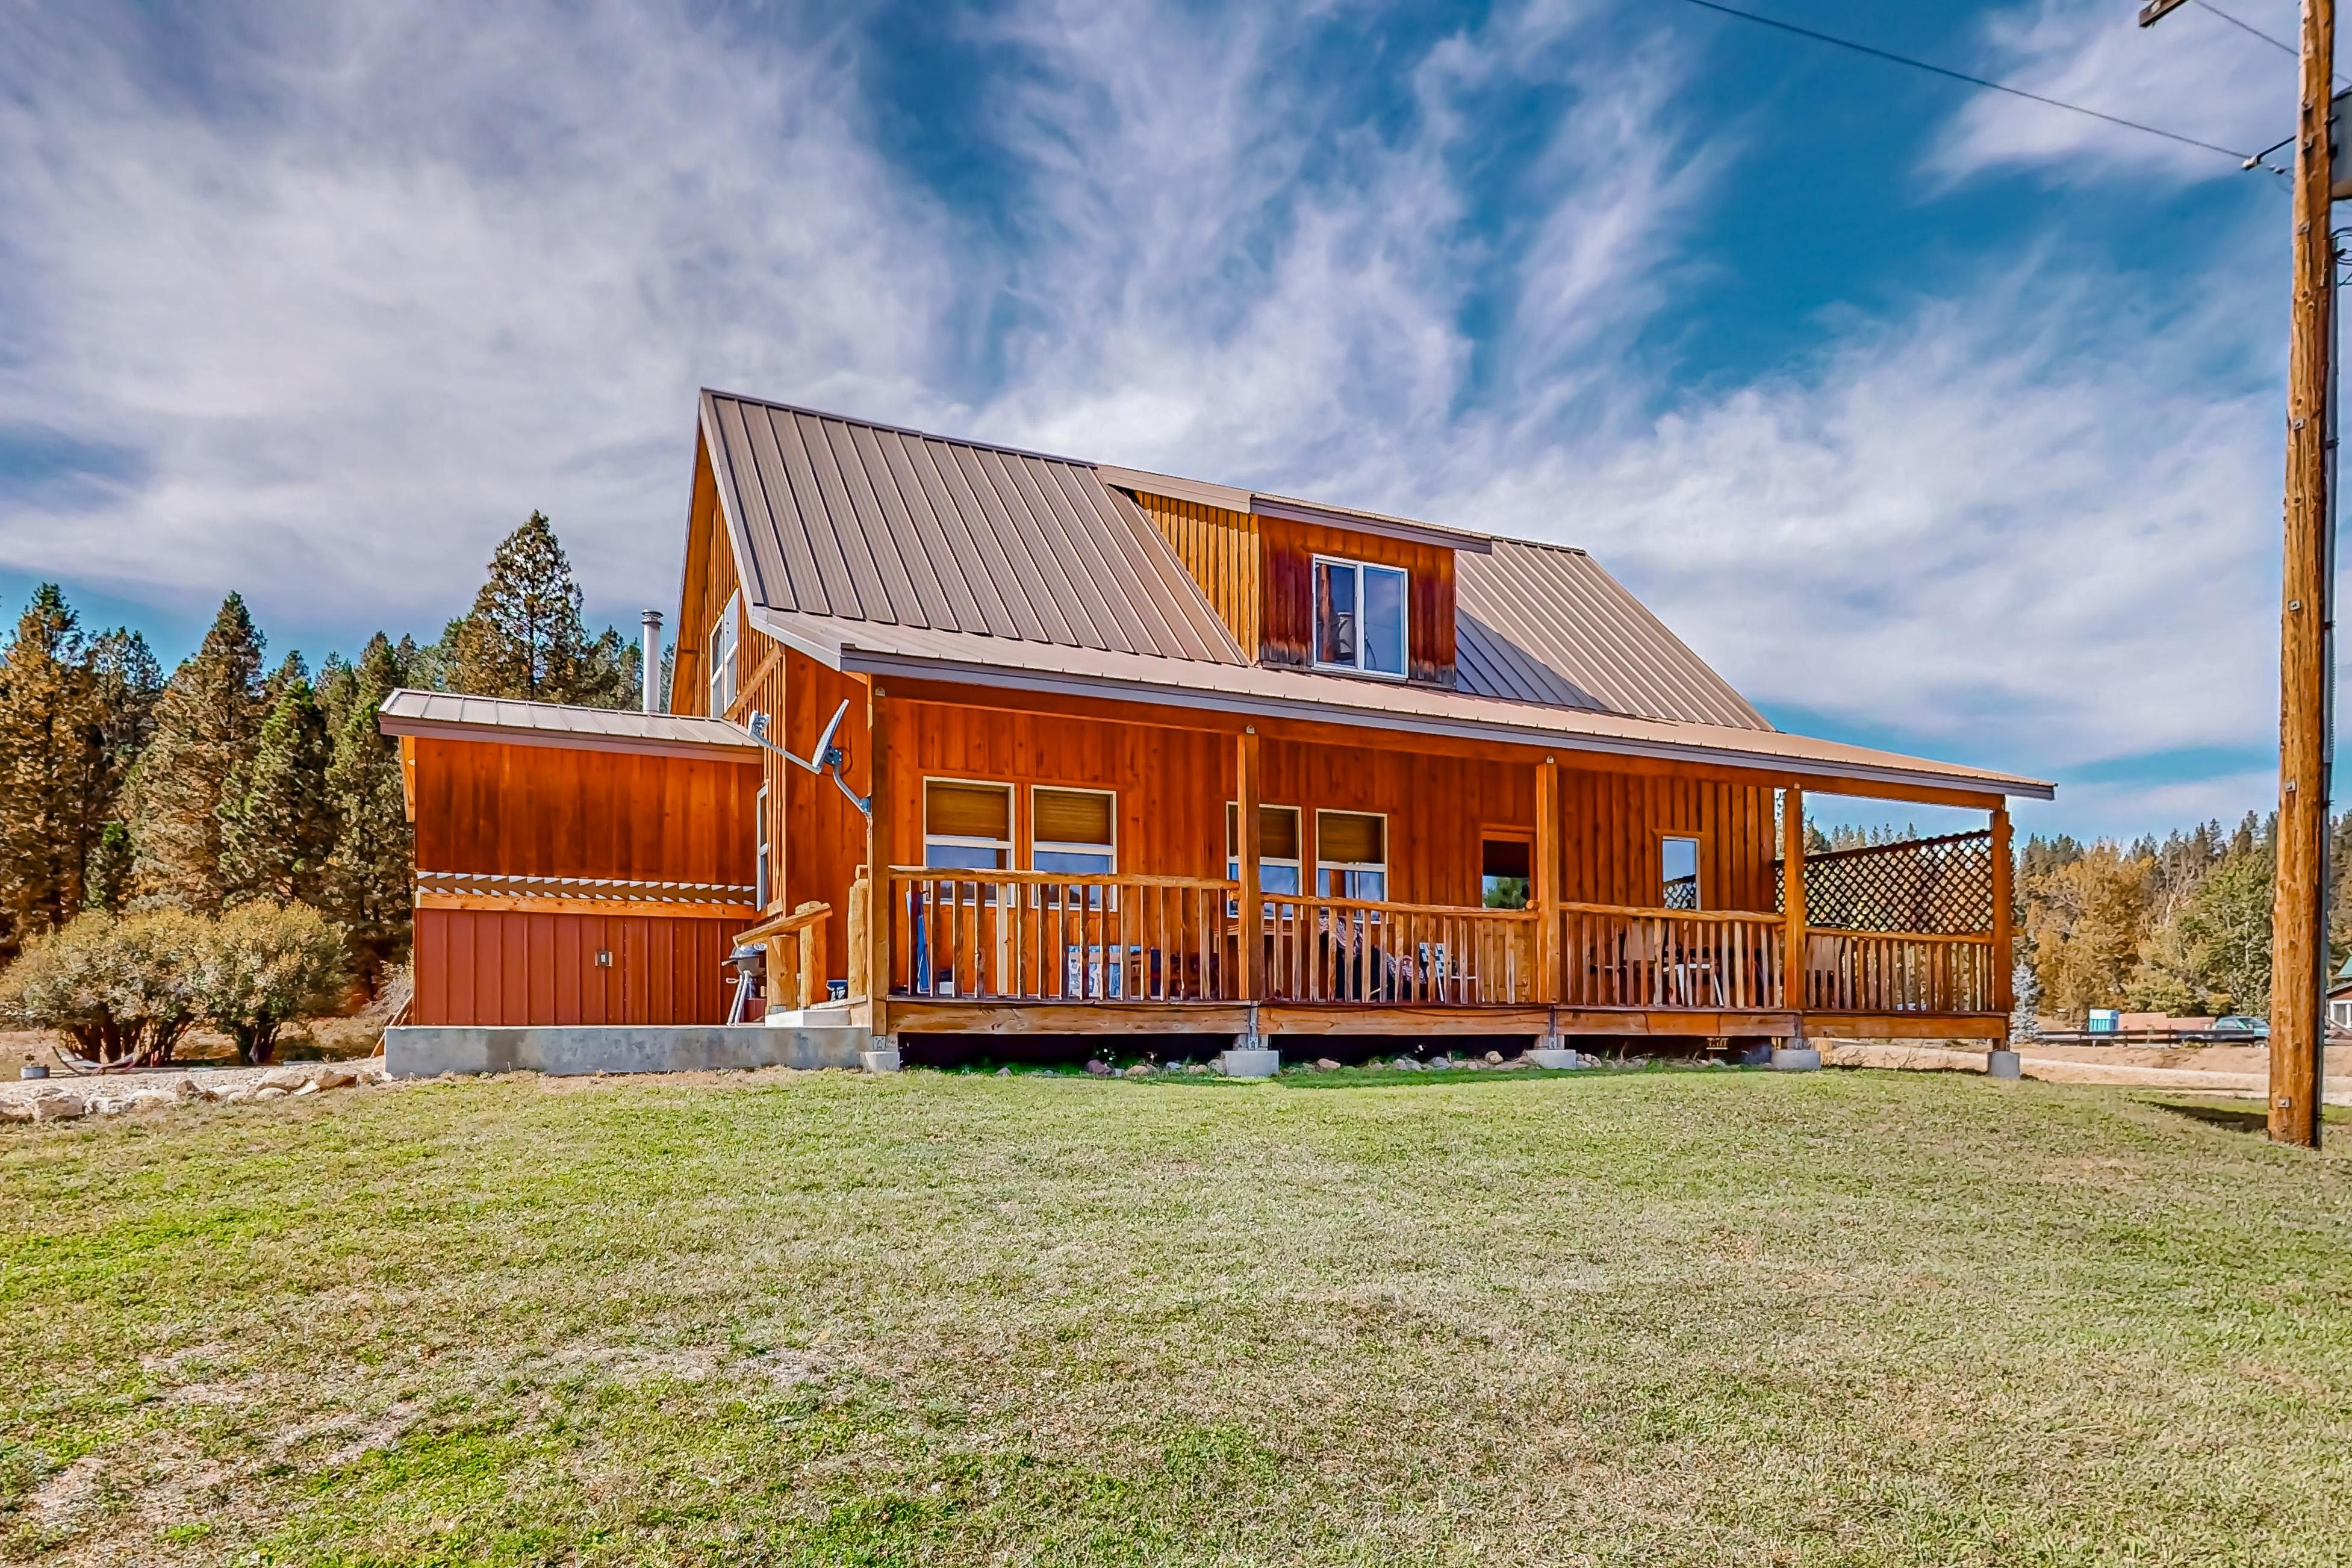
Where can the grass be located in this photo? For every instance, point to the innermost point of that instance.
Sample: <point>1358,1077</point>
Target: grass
<point>1659,1316</point>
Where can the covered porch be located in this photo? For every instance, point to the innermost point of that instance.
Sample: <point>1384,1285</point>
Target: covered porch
<point>1891,940</point>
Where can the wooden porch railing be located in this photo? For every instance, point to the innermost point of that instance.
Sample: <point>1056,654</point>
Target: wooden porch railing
<point>1352,950</point>
<point>1898,972</point>
<point>1041,936</point>
<point>795,947</point>
<point>1618,956</point>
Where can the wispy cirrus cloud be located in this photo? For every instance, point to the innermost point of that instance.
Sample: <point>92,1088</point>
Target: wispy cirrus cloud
<point>318,304</point>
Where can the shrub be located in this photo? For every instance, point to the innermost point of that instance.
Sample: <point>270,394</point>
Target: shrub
<point>121,988</point>
<point>264,963</point>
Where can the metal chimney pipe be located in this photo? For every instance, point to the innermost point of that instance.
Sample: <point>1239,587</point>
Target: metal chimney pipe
<point>652,662</point>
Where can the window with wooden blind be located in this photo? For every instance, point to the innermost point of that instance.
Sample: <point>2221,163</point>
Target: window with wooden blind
<point>1074,831</point>
<point>966,825</point>
<point>1351,854</point>
<point>1277,848</point>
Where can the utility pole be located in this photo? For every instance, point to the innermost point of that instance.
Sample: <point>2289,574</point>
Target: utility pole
<point>2298,909</point>
<point>2306,624</point>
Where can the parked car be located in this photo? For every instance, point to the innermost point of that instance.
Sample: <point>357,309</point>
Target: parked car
<point>2242,1024</point>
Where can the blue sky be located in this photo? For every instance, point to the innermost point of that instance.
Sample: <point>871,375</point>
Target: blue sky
<point>1935,419</point>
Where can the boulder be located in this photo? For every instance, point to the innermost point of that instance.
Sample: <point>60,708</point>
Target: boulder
<point>1196,1067</point>
<point>1325,1064</point>
<point>334,1077</point>
<point>1099,1068</point>
<point>1405,1063</point>
<point>287,1079</point>
<point>15,1109</point>
<point>57,1105</point>
<point>154,1099</point>
<point>269,1091</point>
<point>1140,1070</point>
<point>1493,1059</point>
<point>310,1088</point>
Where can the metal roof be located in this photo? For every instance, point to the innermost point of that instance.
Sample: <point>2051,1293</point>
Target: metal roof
<point>456,716</point>
<point>868,522</point>
<point>1542,623</point>
<point>1272,691</point>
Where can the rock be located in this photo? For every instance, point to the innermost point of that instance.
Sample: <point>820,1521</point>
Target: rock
<point>1099,1068</point>
<point>15,1109</point>
<point>1325,1064</point>
<point>1405,1063</point>
<point>334,1077</point>
<point>1441,1064</point>
<point>107,1105</point>
<point>268,1091</point>
<point>243,1094</point>
<point>56,1105</point>
<point>154,1099</point>
<point>1197,1067</point>
<point>310,1088</point>
<point>287,1079</point>
<point>184,1090</point>
<point>1493,1059</point>
<point>1140,1070</point>
<point>1005,1072</point>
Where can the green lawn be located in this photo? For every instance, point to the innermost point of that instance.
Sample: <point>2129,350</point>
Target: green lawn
<point>1658,1317</point>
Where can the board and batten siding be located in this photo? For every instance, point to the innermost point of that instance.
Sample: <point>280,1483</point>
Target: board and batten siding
<point>1222,552</point>
<point>1290,551</point>
<point>501,969</point>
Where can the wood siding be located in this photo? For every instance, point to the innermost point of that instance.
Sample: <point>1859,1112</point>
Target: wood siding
<point>509,970</point>
<point>1224,554</point>
<point>709,578</point>
<point>1290,551</point>
<point>544,811</point>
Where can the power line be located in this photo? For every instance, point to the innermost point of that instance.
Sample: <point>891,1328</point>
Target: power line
<point>1875,53</point>
<point>2279,43</point>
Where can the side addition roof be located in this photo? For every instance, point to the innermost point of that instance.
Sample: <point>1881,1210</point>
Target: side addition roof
<point>449,715</point>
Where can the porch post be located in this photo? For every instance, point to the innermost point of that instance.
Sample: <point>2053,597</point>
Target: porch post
<point>2002,1062</point>
<point>1796,1055</point>
<point>879,856</point>
<point>1250,1055</point>
<point>1543,897</point>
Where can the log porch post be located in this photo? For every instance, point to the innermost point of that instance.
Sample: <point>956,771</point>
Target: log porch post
<point>1545,893</point>
<point>1792,900</point>
<point>879,857</point>
<point>2004,914</point>
<point>1251,904</point>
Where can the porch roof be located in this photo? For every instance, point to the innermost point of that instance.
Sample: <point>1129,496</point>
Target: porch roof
<point>968,658</point>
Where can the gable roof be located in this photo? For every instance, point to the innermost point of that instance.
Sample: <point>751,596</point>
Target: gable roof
<point>876,547</point>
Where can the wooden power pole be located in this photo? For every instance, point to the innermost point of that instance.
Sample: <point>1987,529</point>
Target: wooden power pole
<point>2298,909</point>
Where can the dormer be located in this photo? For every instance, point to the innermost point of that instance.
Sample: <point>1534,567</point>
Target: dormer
<point>1308,586</point>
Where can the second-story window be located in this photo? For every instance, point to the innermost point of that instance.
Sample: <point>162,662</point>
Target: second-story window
<point>1360,616</point>
<point>722,657</point>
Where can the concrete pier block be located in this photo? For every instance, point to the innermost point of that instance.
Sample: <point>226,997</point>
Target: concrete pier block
<point>1555,1057</point>
<point>1252,1062</point>
<point>2003,1064</point>
<point>1796,1058</point>
<point>883,1058</point>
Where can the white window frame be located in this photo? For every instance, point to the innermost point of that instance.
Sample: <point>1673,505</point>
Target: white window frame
<point>1697,841</point>
<point>1315,627</point>
<point>1062,847</point>
<point>1297,867</point>
<point>1351,866</point>
<point>762,852</point>
<point>723,670</point>
<point>963,841</point>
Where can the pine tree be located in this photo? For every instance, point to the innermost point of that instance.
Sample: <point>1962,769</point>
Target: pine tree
<point>368,876</point>
<point>2026,1015</point>
<point>73,712</point>
<point>277,825</point>
<point>524,638</point>
<point>207,727</point>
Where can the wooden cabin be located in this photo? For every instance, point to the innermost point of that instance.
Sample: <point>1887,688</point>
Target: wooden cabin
<point>1126,752</point>
<point>574,864</point>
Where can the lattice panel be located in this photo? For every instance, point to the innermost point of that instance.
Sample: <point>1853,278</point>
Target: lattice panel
<point>1942,885</point>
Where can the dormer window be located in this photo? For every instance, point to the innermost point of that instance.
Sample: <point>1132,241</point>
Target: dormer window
<point>1360,616</point>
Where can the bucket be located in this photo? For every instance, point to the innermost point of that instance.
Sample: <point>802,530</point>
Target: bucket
<point>35,1069</point>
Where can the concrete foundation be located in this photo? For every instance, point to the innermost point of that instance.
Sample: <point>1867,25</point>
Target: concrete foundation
<point>1240,1062</point>
<point>1796,1058</point>
<point>428,1051</point>
<point>2003,1064</point>
<point>1554,1056</point>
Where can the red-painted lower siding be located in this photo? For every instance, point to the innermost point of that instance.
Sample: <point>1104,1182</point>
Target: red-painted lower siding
<point>509,969</point>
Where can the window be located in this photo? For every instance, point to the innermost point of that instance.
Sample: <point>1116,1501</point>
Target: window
<point>722,657</point>
<point>760,873</point>
<point>1505,865</point>
<point>1360,616</point>
<point>1277,848</point>
<point>1678,873</point>
<point>1351,854</point>
<point>1071,831</point>
<point>967,827</point>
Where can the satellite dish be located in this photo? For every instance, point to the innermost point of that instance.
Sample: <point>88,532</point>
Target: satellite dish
<point>826,755</point>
